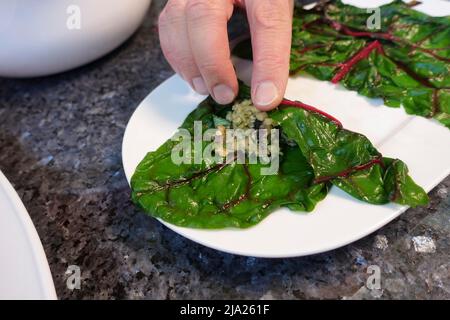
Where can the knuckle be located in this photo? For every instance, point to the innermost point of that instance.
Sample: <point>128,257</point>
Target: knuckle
<point>186,63</point>
<point>169,24</point>
<point>172,13</point>
<point>269,14</point>
<point>169,53</point>
<point>203,10</point>
<point>271,61</point>
<point>174,7</point>
<point>162,19</point>
<point>177,58</point>
<point>209,67</point>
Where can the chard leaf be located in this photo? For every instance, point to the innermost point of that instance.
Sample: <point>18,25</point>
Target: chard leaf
<point>214,195</point>
<point>406,62</point>
<point>347,159</point>
<point>211,195</point>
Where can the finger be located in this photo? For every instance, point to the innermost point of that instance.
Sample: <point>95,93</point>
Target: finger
<point>207,28</point>
<point>270,26</point>
<point>174,41</point>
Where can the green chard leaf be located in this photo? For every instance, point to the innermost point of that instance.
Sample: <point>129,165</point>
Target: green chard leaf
<point>220,195</point>
<point>347,159</point>
<point>212,195</point>
<point>406,62</point>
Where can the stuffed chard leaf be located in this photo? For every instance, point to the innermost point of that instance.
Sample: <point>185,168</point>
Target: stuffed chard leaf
<point>220,195</point>
<point>315,153</point>
<point>406,62</point>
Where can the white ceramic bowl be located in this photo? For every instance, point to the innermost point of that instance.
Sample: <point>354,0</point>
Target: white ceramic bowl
<point>41,37</point>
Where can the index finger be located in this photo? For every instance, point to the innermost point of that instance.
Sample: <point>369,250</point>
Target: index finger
<point>207,29</point>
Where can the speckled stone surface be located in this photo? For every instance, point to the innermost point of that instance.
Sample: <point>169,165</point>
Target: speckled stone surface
<point>60,146</point>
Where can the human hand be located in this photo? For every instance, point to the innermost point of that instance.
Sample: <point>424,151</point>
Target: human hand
<point>194,40</point>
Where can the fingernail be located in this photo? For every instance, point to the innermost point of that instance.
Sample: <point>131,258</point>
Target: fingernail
<point>266,93</point>
<point>199,85</point>
<point>223,94</point>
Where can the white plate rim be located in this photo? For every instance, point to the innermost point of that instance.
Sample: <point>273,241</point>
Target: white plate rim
<point>34,242</point>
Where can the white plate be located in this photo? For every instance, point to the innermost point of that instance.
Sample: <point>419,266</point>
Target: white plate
<point>24,270</point>
<point>339,219</point>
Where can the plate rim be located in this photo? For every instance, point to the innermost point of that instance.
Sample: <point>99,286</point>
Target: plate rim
<point>42,266</point>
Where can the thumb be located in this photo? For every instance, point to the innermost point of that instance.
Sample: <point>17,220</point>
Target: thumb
<point>271,31</point>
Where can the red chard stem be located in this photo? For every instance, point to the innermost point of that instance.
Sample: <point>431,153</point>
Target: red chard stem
<point>304,106</point>
<point>364,53</point>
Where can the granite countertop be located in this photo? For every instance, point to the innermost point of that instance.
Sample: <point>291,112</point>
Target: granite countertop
<point>60,142</point>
